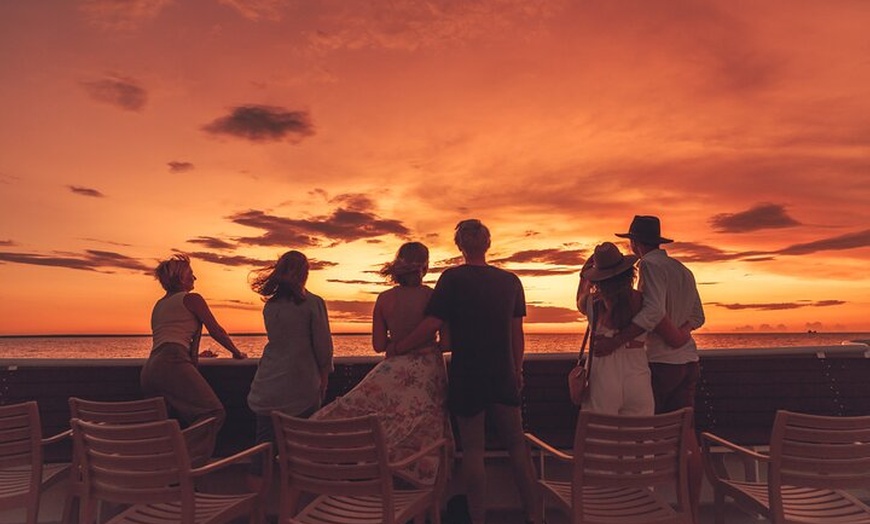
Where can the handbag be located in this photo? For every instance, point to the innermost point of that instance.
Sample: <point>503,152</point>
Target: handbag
<point>578,377</point>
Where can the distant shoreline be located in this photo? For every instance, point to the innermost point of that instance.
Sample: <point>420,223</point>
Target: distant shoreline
<point>356,334</point>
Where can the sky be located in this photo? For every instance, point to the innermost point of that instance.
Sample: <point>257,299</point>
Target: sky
<point>235,130</point>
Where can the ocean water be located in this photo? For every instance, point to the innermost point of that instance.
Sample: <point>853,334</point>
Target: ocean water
<point>138,346</point>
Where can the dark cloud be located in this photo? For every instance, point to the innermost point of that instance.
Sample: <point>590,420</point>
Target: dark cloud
<point>90,260</point>
<point>229,260</point>
<point>86,191</point>
<point>180,167</point>
<point>762,216</point>
<point>109,242</point>
<point>358,282</point>
<point>521,272</point>
<point>341,226</point>
<point>847,241</point>
<point>695,252</point>
<point>7,243</point>
<point>564,257</point>
<point>212,243</point>
<point>124,93</point>
<point>235,304</point>
<point>551,314</point>
<point>350,310</point>
<point>354,202</point>
<point>778,306</point>
<point>263,124</point>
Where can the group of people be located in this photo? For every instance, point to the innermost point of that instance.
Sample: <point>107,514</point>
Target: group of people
<point>645,358</point>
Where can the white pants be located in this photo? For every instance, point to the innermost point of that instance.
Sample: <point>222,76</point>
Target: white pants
<point>620,384</point>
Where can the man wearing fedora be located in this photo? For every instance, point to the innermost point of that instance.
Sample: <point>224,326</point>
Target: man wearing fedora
<point>668,289</point>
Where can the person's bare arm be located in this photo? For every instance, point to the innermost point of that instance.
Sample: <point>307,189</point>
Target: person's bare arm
<point>423,333</point>
<point>380,339</point>
<point>672,335</point>
<point>518,345</point>
<point>196,305</point>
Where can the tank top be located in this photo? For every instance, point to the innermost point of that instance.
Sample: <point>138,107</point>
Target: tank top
<point>172,322</point>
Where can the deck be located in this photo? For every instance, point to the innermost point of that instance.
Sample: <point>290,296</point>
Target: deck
<point>739,393</point>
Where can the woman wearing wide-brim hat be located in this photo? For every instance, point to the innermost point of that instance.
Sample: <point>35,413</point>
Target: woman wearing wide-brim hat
<point>619,383</point>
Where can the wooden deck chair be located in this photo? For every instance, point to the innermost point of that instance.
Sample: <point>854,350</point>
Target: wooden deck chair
<point>621,469</point>
<point>147,467</point>
<point>344,463</point>
<point>23,476</point>
<point>812,461</point>
<point>200,437</point>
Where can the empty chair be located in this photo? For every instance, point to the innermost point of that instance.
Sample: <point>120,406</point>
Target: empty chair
<point>23,476</point>
<point>812,460</point>
<point>622,466</point>
<point>147,466</point>
<point>200,437</point>
<point>344,463</point>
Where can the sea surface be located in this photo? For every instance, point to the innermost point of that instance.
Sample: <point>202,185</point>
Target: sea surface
<point>138,346</point>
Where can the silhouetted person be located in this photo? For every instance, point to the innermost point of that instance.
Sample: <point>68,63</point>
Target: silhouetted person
<point>176,324</point>
<point>484,308</point>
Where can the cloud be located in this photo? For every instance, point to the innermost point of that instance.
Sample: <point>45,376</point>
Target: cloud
<point>263,124</point>
<point>228,260</point>
<point>257,9</point>
<point>350,310</point>
<point>109,242</point>
<point>567,257</point>
<point>90,260</point>
<point>342,225</point>
<point>212,243</point>
<point>778,306</point>
<point>235,304</point>
<point>412,24</point>
<point>124,93</point>
<point>542,272</point>
<point>695,252</point>
<point>848,241</point>
<point>551,314</point>
<point>7,243</point>
<point>762,216</point>
<point>86,191</point>
<point>121,15</point>
<point>180,167</point>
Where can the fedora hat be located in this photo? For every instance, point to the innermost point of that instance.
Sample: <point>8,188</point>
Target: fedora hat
<point>607,261</point>
<point>646,229</point>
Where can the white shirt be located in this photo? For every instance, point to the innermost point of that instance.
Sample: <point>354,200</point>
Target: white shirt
<point>668,288</point>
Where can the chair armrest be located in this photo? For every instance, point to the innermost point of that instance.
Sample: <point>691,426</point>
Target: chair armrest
<point>200,439</point>
<point>546,448</point>
<point>706,438</point>
<point>410,459</point>
<point>54,439</point>
<point>265,448</point>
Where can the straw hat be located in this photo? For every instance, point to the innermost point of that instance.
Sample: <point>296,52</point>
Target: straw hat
<point>646,229</point>
<point>607,262</point>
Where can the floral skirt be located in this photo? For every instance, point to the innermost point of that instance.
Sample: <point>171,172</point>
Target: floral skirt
<point>408,393</point>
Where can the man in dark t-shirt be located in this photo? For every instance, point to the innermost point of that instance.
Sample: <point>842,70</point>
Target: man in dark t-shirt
<point>484,308</point>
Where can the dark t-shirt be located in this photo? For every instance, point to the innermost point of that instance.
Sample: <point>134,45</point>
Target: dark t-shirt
<point>479,304</point>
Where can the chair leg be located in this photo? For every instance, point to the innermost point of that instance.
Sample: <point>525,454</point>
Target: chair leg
<point>719,506</point>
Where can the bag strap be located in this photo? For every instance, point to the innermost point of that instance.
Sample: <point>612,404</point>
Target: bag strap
<point>593,324</point>
<point>583,345</point>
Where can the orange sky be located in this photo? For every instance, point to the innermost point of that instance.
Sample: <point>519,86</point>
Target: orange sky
<point>235,130</point>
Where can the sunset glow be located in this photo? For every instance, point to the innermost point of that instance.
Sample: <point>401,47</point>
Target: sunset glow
<point>235,130</point>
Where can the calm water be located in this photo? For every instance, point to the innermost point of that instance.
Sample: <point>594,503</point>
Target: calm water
<point>347,345</point>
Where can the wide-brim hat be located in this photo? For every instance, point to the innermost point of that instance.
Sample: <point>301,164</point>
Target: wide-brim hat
<point>607,262</point>
<point>646,229</point>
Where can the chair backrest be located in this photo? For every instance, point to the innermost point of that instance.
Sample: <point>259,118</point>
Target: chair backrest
<point>333,457</point>
<point>622,451</point>
<point>21,440</point>
<point>125,412</point>
<point>134,463</point>
<point>819,452</point>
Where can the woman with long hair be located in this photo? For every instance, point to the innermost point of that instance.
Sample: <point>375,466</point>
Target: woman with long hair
<point>619,382</point>
<point>297,359</point>
<point>407,392</point>
<point>176,326</point>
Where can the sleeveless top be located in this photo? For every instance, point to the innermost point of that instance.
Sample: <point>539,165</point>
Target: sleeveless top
<point>172,322</point>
